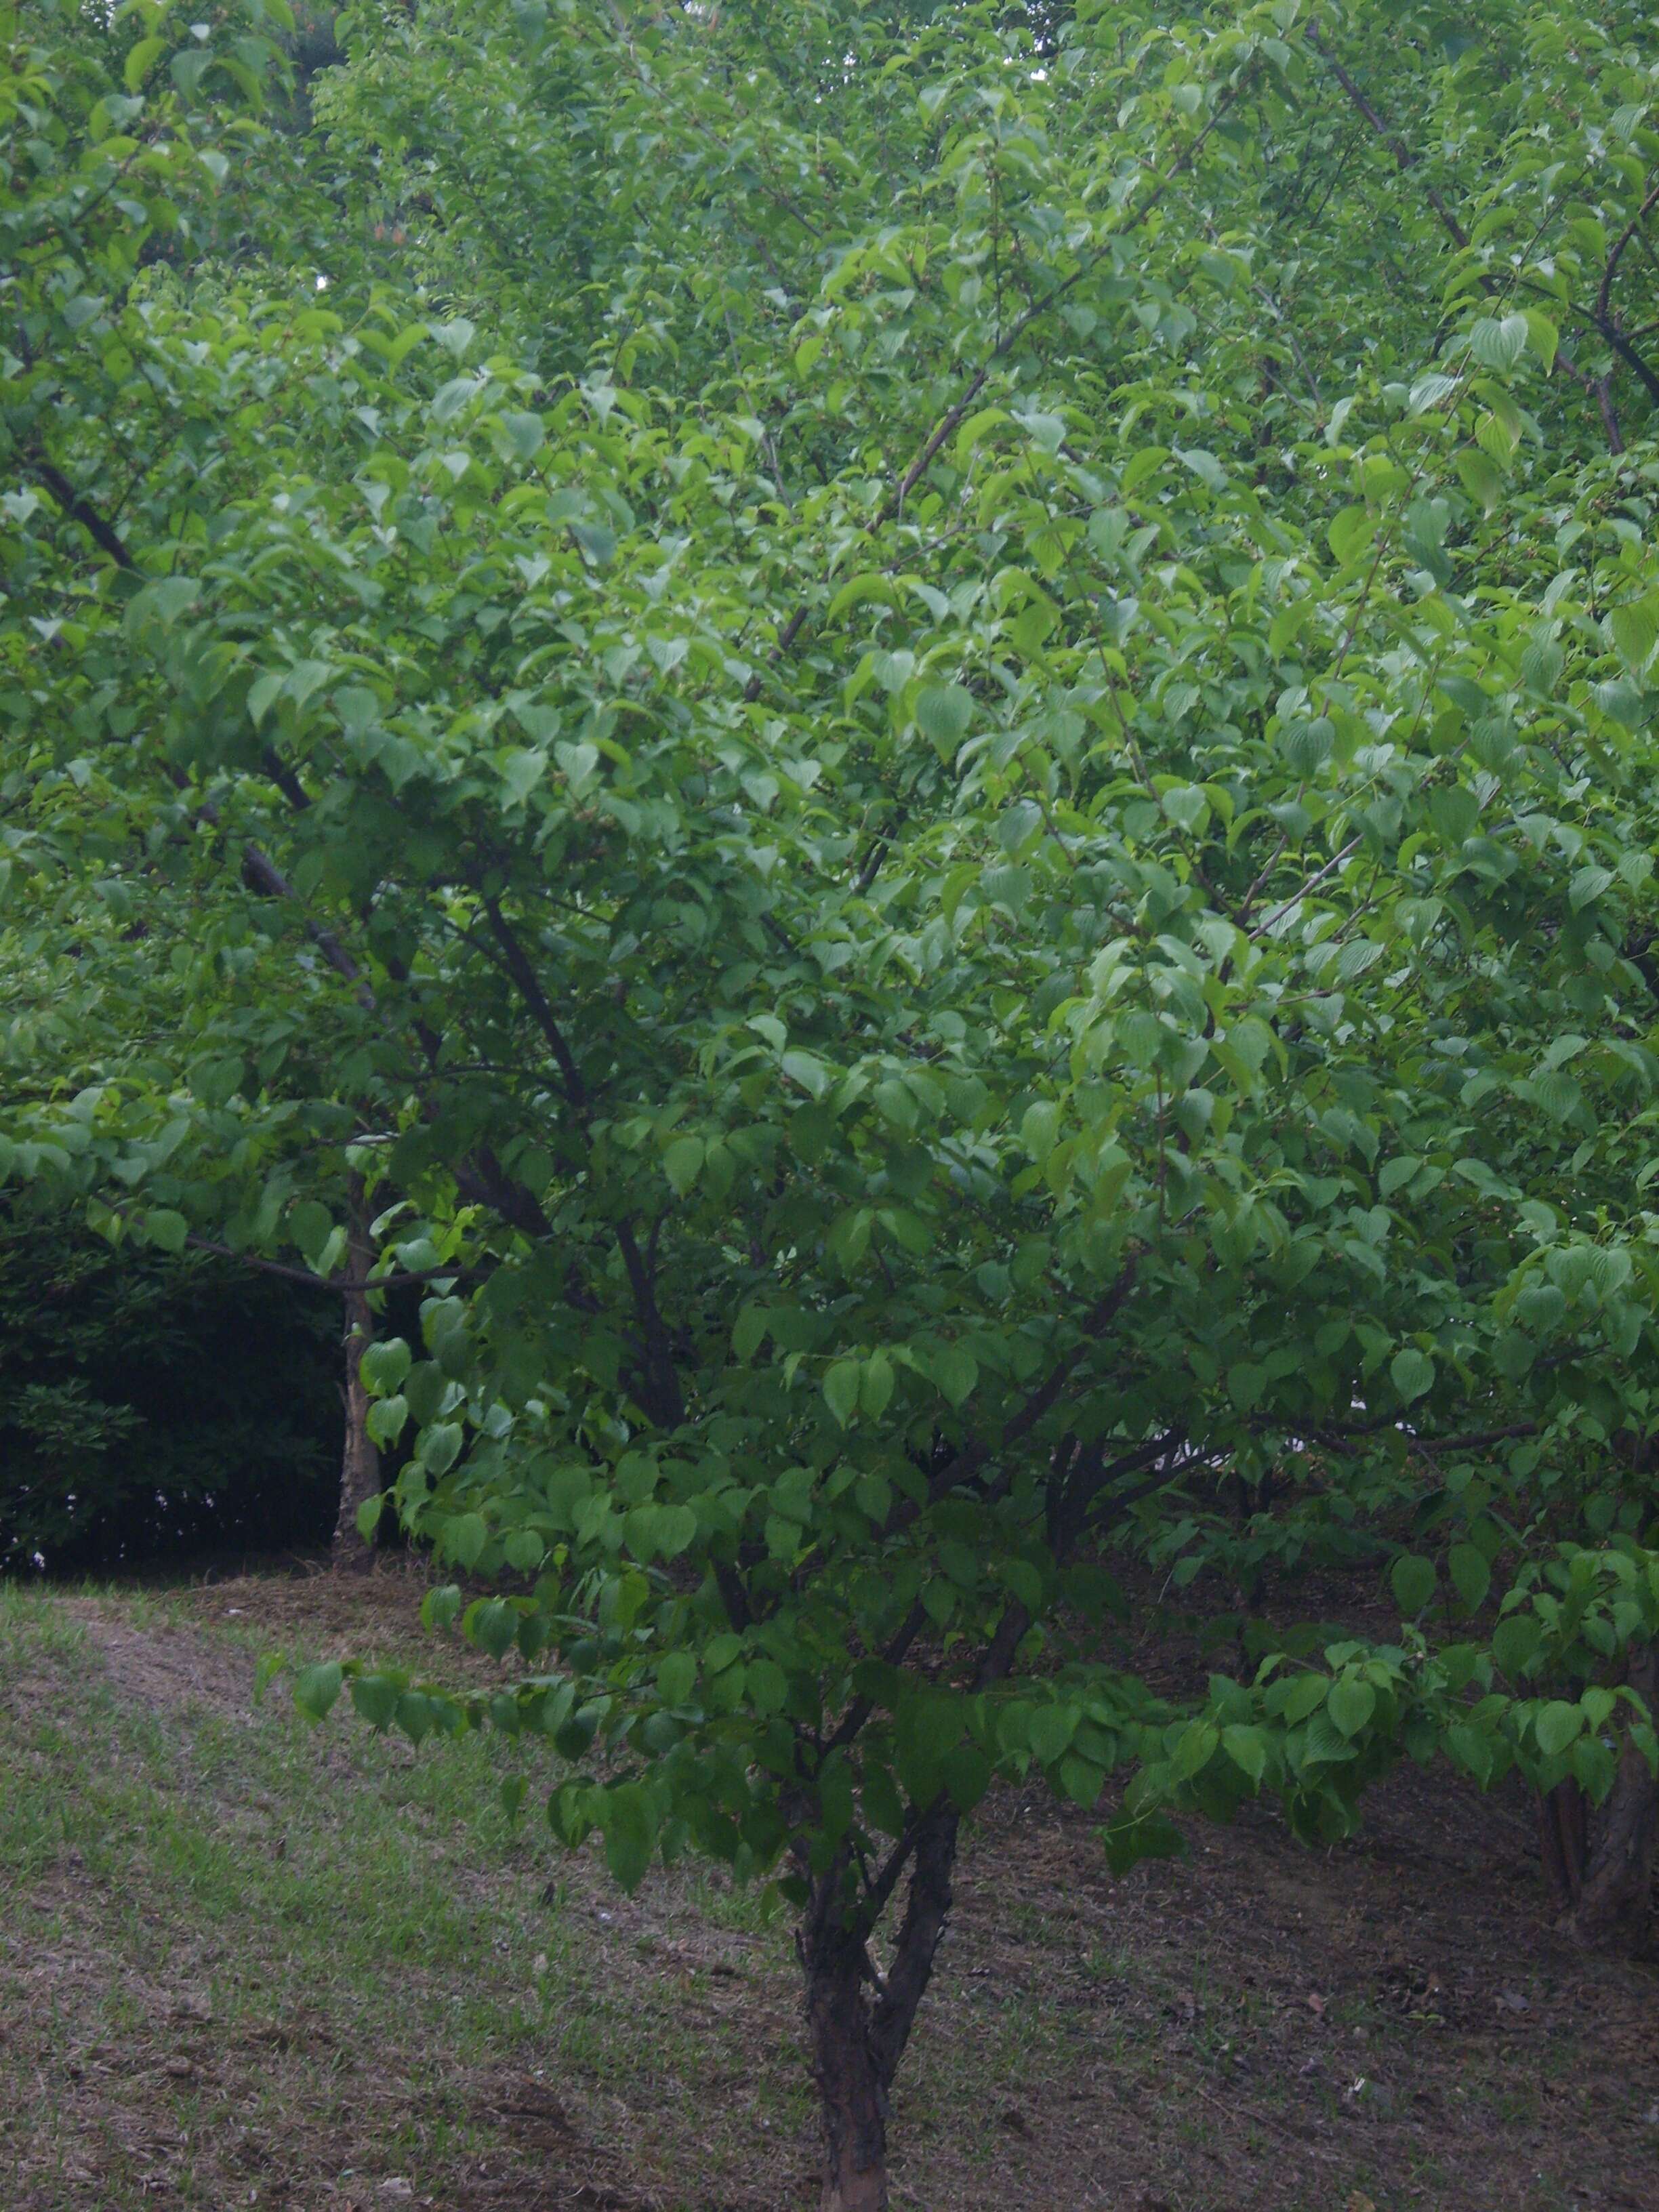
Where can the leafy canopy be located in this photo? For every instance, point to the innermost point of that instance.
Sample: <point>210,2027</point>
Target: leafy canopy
<point>934,736</point>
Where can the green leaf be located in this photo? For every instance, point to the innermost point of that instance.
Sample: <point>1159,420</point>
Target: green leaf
<point>441,1607</point>
<point>1556,1726</point>
<point>1516,1642</point>
<point>676,1529</point>
<point>944,711</point>
<point>1198,1744</point>
<point>598,543</point>
<point>1481,479</point>
<point>384,1366</point>
<point>386,1419</point>
<point>749,1332</point>
<point>216,1082</point>
<point>682,1163</point>
<point>954,1371</point>
<point>464,1539</point>
<point>1187,806</point>
<point>1587,886</point>
<point>161,603</point>
<point>1411,1372</point>
<point>491,1625</point>
<point>167,1231</point>
<point>1307,1693</point>
<point>811,1073</point>
<point>316,1688</point>
<point>1413,1580</point>
<point>1471,1576</point>
<point>1351,1704</point>
<point>439,1447</point>
<point>882,1804</point>
<point>1350,534</point>
<point>1635,629</point>
<point>375,1697</point>
<point>310,1225</point>
<point>1025,1583</point>
<point>1542,335</point>
<point>1471,1748</point>
<point>522,770</point>
<point>841,1390</point>
<point>139,63</point>
<point>875,1385</point>
<point>1247,1747</point>
<point>1040,1127</point>
<point>1134,1837</point>
<point>525,433</point>
<point>523,1550</point>
<point>1500,343</point>
<point>1052,1727</point>
<point>1081,1780</point>
<point>630,1829</point>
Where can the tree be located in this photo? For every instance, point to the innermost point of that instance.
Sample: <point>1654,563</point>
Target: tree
<point>952,803</point>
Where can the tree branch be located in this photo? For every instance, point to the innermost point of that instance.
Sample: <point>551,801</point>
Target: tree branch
<point>522,971</point>
<point>1405,160</point>
<point>79,510</point>
<point>924,1915</point>
<point>1005,346</point>
<point>1038,1401</point>
<point>892,1652</point>
<point>1603,310</point>
<point>346,1286</point>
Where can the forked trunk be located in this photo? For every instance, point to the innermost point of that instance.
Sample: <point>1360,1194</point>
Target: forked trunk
<point>860,2023</point>
<point>360,1459</point>
<point>1600,1864</point>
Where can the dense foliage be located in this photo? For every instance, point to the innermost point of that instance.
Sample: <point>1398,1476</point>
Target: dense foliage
<point>932,733</point>
<point>154,1407</point>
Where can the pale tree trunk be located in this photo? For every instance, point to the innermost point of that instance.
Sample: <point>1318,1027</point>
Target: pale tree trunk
<point>1599,1862</point>
<point>360,1459</point>
<point>859,2025</point>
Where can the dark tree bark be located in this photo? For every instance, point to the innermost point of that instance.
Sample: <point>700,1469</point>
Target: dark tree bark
<point>1612,1909</point>
<point>857,2023</point>
<point>851,2097</point>
<point>1599,1862</point>
<point>360,1458</point>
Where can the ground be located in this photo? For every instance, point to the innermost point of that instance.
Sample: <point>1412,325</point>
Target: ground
<point>246,1962</point>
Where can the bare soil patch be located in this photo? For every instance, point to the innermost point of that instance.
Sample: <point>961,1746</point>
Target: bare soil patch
<point>171,1669</point>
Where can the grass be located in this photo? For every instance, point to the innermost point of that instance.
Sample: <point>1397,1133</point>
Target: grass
<point>247,1961</point>
<point>363,1921</point>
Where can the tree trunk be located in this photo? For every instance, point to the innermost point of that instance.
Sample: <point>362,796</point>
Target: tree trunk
<point>858,2023</point>
<point>1611,1905</point>
<point>852,2098</point>
<point>360,1459</point>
